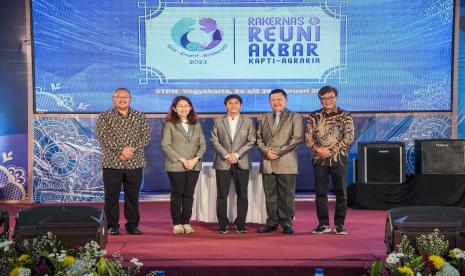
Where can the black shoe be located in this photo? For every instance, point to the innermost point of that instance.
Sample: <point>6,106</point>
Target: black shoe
<point>113,231</point>
<point>223,229</point>
<point>240,229</point>
<point>321,229</point>
<point>340,230</point>
<point>134,231</point>
<point>266,229</point>
<point>288,229</point>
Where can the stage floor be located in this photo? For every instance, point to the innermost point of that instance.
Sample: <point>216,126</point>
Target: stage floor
<point>207,251</point>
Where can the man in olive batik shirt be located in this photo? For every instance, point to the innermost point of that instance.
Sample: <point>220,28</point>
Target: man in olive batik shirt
<point>123,133</point>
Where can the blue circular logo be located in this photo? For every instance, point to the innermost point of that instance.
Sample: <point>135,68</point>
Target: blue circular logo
<point>197,35</point>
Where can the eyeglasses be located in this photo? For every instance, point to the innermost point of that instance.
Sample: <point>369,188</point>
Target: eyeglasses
<point>118,97</point>
<point>183,106</point>
<point>330,98</point>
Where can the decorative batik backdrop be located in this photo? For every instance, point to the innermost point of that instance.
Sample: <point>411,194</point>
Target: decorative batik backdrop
<point>14,47</point>
<point>66,154</point>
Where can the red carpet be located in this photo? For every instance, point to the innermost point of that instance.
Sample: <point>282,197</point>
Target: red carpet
<point>249,254</point>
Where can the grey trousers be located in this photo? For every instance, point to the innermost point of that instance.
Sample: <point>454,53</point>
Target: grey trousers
<point>279,198</point>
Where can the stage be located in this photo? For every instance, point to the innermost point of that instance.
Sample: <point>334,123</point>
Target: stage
<point>252,253</point>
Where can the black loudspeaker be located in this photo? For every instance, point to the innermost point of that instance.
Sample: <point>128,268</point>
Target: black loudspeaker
<point>440,156</point>
<point>414,221</point>
<point>381,163</point>
<point>73,225</point>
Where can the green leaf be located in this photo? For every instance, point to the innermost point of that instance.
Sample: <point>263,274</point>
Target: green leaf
<point>101,266</point>
<point>375,269</point>
<point>418,261</point>
<point>106,267</point>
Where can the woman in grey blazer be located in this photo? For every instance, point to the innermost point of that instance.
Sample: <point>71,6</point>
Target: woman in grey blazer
<point>184,145</point>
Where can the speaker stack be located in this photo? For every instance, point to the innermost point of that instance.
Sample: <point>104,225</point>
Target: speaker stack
<point>72,225</point>
<point>440,156</point>
<point>381,163</point>
<point>414,221</point>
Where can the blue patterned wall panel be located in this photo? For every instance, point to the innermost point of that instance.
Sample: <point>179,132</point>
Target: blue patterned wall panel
<point>13,106</point>
<point>13,164</point>
<point>66,161</point>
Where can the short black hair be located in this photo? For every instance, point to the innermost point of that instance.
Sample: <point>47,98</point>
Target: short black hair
<point>327,89</point>
<point>275,91</point>
<point>232,96</point>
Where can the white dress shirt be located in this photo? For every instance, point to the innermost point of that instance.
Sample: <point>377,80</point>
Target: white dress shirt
<point>233,125</point>
<point>232,129</point>
<point>185,125</point>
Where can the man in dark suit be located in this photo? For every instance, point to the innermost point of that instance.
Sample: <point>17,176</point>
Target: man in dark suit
<point>232,136</point>
<point>278,135</point>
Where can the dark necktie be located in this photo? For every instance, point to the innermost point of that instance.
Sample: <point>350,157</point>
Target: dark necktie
<point>277,117</point>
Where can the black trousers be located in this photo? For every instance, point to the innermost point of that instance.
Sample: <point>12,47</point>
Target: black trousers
<point>338,177</point>
<point>223,181</point>
<point>131,180</point>
<point>279,198</point>
<point>182,195</point>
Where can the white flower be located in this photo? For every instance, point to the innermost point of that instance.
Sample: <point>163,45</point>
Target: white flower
<point>94,245</point>
<point>24,272</point>
<point>5,245</point>
<point>394,258</point>
<point>458,253</point>
<point>61,258</point>
<point>391,260</point>
<point>101,253</point>
<point>136,262</point>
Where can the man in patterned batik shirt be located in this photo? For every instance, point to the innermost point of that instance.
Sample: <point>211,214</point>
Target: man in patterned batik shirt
<point>330,132</point>
<point>123,133</point>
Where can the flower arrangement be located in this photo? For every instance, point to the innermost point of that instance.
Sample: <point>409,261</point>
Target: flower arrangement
<point>431,258</point>
<point>47,256</point>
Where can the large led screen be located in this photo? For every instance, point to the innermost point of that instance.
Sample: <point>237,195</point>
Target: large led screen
<point>393,55</point>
